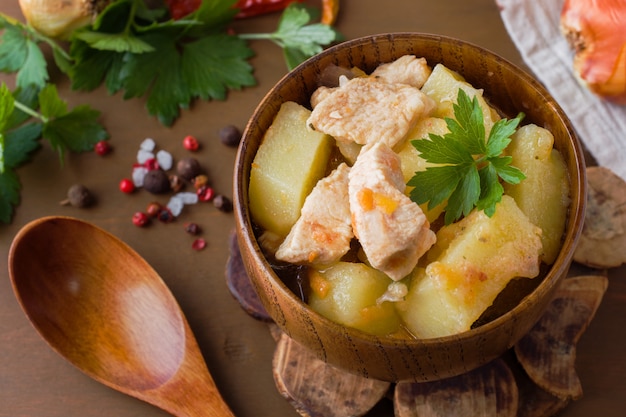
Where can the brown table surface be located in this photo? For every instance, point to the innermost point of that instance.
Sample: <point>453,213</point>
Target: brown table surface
<point>36,382</point>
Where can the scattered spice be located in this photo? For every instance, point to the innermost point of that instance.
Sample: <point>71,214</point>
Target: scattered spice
<point>141,219</point>
<point>156,181</point>
<point>198,244</point>
<point>166,216</point>
<point>191,143</point>
<point>154,208</point>
<point>102,147</point>
<point>230,136</point>
<point>200,181</point>
<point>176,183</point>
<point>223,203</point>
<point>192,228</point>
<point>205,193</point>
<point>79,196</point>
<point>127,186</point>
<point>188,168</point>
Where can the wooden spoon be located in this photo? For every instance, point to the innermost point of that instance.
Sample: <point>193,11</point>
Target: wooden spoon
<point>100,305</point>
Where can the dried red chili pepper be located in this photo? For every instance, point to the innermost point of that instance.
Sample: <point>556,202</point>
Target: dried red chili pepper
<point>247,8</point>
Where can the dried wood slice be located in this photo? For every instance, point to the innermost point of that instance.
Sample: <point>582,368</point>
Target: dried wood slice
<point>534,401</point>
<point>316,389</point>
<point>239,283</point>
<point>487,391</point>
<point>603,238</point>
<point>548,352</point>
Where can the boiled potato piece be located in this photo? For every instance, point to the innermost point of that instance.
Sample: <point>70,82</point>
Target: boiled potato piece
<point>411,161</point>
<point>443,86</point>
<point>476,258</point>
<point>347,292</point>
<point>544,195</point>
<point>288,164</point>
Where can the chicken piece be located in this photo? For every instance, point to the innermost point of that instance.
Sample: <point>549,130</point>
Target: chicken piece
<point>393,230</point>
<point>366,110</point>
<point>323,232</point>
<point>407,69</point>
<point>320,94</point>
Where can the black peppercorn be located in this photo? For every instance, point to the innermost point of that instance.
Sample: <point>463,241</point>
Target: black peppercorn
<point>223,203</point>
<point>230,135</point>
<point>156,181</point>
<point>79,196</point>
<point>188,168</point>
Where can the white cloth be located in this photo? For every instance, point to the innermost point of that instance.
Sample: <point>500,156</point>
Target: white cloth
<point>534,28</point>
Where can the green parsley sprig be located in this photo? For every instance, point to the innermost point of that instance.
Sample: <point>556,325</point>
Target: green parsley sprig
<point>468,168</point>
<point>141,52</point>
<point>27,116</point>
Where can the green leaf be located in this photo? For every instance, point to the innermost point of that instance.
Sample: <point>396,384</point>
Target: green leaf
<point>12,50</point>
<point>50,104</point>
<point>215,64</point>
<point>21,143</point>
<point>9,194</point>
<point>34,70</point>
<point>159,76</point>
<point>117,42</point>
<point>468,168</point>
<point>435,185</point>
<point>500,135</point>
<point>467,127</point>
<point>7,104</point>
<point>77,131</point>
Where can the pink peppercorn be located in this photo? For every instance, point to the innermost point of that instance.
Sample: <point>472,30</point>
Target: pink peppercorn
<point>102,147</point>
<point>141,219</point>
<point>191,143</point>
<point>205,193</point>
<point>198,244</point>
<point>127,186</point>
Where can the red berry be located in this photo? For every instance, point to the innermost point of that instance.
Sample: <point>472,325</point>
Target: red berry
<point>205,193</point>
<point>102,147</point>
<point>198,244</point>
<point>127,186</point>
<point>141,219</point>
<point>151,164</point>
<point>191,143</point>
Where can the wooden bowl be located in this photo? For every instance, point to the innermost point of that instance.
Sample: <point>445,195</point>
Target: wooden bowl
<point>509,89</point>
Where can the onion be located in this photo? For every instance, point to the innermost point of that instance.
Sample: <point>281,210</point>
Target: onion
<point>596,30</point>
<point>59,18</point>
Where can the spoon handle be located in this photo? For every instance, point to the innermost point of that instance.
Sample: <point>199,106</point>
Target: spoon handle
<point>191,392</point>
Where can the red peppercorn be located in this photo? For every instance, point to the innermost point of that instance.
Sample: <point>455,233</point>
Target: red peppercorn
<point>198,244</point>
<point>141,219</point>
<point>192,228</point>
<point>191,143</point>
<point>127,186</point>
<point>102,147</point>
<point>166,216</point>
<point>205,193</point>
<point>154,209</point>
<point>151,164</point>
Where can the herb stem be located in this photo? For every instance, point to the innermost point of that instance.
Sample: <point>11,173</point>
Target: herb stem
<point>24,108</point>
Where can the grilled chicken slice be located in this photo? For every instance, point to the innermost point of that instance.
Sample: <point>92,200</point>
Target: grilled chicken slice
<point>393,230</point>
<point>323,232</point>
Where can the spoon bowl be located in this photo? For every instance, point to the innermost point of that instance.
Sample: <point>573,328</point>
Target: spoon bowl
<point>100,305</point>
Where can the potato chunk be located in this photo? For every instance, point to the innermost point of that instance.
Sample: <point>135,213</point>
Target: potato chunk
<point>443,86</point>
<point>475,259</point>
<point>288,164</point>
<point>544,195</point>
<point>347,292</point>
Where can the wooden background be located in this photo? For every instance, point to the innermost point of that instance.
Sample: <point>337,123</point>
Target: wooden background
<point>36,382</point>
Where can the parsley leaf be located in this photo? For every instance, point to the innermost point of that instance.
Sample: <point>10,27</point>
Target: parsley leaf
<point>468,168</point>
<point>299,39</point>
<point>22,127</point>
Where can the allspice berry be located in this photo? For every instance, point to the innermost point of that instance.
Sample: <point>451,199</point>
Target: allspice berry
<point>156,181</point>
<point>188,168</point>
<point>79,196</point>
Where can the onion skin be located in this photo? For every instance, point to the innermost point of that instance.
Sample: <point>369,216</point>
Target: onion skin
<point>58,18</point>
<point>596,30</point>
